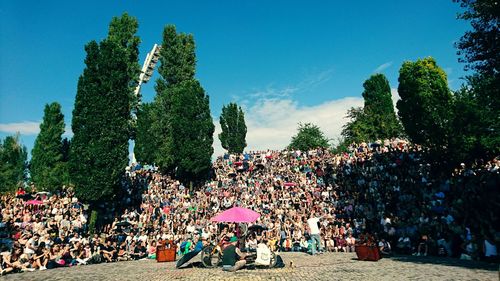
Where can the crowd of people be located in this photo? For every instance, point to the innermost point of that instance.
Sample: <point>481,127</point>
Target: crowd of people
<point>313,201</point>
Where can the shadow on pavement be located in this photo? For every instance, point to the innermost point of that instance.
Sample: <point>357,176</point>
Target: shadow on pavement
<point>447,262</point>
<point>197,264</point>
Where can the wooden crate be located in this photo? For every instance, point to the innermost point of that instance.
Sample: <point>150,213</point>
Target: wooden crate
<point>166,251</point>
<point>367,253</point>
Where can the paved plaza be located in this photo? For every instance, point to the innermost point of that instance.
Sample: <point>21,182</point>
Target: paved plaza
<point>329,266</point>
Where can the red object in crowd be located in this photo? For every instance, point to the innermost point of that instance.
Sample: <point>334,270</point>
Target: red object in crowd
<point>239,163</point>
<point>290,184</point>
<point>20,192</point>
<point>164,253</point>
<point>367,253</point>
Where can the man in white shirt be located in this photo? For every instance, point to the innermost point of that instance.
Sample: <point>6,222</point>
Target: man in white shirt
<point>312,222</point>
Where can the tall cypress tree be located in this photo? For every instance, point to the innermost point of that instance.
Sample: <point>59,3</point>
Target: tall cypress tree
<point>182,120</point>
<point>99,148</point>
<point>12,163</point>
<point>377,119</point>
<point>234,129</point>
<point>192,129</point>
<point>145,140</point>
<point>379,108</point>
<point>48,167</point>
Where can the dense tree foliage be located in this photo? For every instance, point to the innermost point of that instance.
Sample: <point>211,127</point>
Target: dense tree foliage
<point>48,167</point>
<point>192,131</point>
<point>181,117</point>
<point>377,119</point>
<point>379,108</point>
<point>234,129</point>
<point>101,117</point>
<point>476,122</point>
<point>309,136</point>
<point>358,128</point>
<point>12,163</point>
<point>480,47</point>
<point>425,107</point>
<point>145,140</point>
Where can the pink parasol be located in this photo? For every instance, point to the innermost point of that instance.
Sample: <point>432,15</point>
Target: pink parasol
<point>33,202</point>
<point>290,184</point>
<point>236,214</point>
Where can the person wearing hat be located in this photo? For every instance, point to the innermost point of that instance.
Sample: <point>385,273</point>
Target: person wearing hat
<point>232,258</point>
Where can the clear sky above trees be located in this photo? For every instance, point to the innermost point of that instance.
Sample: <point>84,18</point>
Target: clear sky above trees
<point>338,49</point>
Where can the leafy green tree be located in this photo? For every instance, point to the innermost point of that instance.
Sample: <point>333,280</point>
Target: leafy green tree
<point>234,129</point>
<point>12,163</point>
<point>177,64</point>
<point>377,119</point>
<point>379,108</point>
<point>192,131</point>
<point>145,141</point>
<point>479,48</point>
<point>177,57</point>
<point>48,168</point>
<point>122,31</point>
<point>476,128</point>
<point>309,136</point>
<point>358,128</point>
<point>425,107</point>
<point>182,121</point>
<point>102,113</point>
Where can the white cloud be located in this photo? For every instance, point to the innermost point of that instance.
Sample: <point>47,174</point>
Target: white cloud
<point>28,128</point>
<point>383,67</point>
<point>395,97</point>
<point>271,123</point>
<point>68,132</point>
<point>24,128</point>
<point>315,79</point>
<point>272,115</point>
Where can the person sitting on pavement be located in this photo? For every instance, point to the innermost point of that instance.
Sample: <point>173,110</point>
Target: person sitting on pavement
<point>232,258</point>
<point>384,247</point>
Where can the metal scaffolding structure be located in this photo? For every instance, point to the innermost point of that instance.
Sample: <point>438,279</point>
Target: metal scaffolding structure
<point>147,69</point>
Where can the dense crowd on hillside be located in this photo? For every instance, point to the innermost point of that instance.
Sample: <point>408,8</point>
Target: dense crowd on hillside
<point>385,189</point>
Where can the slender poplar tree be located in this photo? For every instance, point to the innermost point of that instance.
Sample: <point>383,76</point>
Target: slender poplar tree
<point>48,169</point>
<point>102,113</point>
<point>234,129</point>
<point>182,121</point>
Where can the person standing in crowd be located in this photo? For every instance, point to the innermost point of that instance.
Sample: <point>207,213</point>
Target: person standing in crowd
<point>313,223</point>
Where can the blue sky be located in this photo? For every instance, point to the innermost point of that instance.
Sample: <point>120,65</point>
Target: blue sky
<point>284,61</point>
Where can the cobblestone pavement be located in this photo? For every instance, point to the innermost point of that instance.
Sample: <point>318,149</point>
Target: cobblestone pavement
<point>329,266</point>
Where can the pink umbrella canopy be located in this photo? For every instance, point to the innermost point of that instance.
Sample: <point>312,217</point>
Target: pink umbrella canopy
<point>236,214</point>
<point>33,202</point>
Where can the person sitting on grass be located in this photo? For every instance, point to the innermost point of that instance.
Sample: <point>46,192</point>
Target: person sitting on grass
<point>232,258</point>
